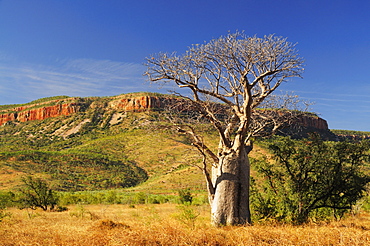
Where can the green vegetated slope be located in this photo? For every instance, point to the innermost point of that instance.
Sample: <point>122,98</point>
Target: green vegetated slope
<point>88,151</point>
<point>349,134</point>
<point>83,151</point>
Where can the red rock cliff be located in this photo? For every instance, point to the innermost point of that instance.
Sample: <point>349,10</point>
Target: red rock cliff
<point>138,104</point>
<point>48,112</point>
<point>41,113</point>
<point>313,121</point>
<point>7,117</point>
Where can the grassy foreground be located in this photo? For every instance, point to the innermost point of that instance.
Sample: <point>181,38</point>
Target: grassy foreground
<point>166,224</point>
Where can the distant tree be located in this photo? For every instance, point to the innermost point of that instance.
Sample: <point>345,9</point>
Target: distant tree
<point>309,175</point>
<point>240,72</point>
<point>37,194</point>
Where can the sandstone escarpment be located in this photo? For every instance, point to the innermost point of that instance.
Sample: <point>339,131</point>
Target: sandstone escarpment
<point>48,112</point>
<point>313,122</point>
<point>29,113</point>
<point>142,103</point>
<point>7,117</point>
<point>123,103</point>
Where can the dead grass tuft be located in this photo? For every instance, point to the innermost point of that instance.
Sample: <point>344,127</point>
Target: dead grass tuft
<point>108,224</point>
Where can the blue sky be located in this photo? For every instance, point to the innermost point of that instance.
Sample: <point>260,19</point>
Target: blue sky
<point>97,47</point>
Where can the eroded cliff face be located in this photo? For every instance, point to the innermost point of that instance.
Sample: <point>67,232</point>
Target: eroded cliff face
<point>313,122</point>
<point>48,112</point>
<point>7,117</point>
<point>143,103</point>
<point>119,103</point>
<point>28,113</point>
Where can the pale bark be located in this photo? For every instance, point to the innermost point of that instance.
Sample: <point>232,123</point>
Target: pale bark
<point>230,205</point>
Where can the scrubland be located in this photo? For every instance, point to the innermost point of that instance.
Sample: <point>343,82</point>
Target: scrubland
<point>167,224</point>
<point>85,166</point>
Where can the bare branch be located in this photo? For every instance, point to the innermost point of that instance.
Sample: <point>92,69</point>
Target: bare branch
<point>234,71</point>
<point>210,187</point>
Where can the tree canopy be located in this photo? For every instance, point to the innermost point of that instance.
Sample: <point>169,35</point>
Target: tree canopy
<point>311,175</point>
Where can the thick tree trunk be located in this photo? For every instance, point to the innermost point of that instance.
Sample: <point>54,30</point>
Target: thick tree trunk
<point>230,205</point>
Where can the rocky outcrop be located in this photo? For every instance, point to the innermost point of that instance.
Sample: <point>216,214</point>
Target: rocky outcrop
<point>313,122</point>
<point>352,137</point>
<point>142,103</point>
<point>48,112</point>
<point>23,114</point>
<point>7,117</point>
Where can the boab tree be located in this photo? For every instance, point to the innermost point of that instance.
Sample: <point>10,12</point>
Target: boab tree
<point>239,72</point>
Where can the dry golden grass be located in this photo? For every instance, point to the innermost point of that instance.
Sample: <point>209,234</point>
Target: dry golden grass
<point>159,225</point>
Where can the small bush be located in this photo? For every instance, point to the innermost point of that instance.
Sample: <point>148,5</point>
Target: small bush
<point>187,215</point>
<point>7,199</point>
<point>109,225</point>
<point>61,209</point>
<point>140,198</point>
<point>37,194</point>
<point>185,196</point>
<point>82,213</point>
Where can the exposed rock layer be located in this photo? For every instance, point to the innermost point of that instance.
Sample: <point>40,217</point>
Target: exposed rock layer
<point>23,114</point>
<point>143,103</point>
<point>314,122</point>
<point>135,104</point>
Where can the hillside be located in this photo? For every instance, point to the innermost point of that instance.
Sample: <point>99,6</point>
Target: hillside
<point>351,135</point>
<point>101,143</point>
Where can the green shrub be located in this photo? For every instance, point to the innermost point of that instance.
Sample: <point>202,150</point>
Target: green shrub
<point>61,209</point>
<point>185,196</point>
<point>310,178</point>
<point>7,199</point>
<point>140,198</point>
<point>36,194</point>
<point>68,198</point>
<point>111,197</point>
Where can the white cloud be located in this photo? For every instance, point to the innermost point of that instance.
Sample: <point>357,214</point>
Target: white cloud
<point>81,77</point>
